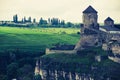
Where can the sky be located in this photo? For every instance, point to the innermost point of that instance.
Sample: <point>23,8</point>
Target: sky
<point>68,10</point>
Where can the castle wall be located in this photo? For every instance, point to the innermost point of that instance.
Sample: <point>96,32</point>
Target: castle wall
<point>87,41</point>
<point>116,49</point>
<point>48,51</point>
<point>115,59</point>
<point>109,23</point>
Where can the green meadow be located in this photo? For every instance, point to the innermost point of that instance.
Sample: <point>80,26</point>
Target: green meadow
<point>36,39</point>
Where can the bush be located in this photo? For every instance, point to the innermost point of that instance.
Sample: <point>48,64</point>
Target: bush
<point>78,32</point>
<point>63,32</point>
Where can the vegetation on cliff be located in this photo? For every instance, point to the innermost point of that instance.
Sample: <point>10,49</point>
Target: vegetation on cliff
<point>83,63</point>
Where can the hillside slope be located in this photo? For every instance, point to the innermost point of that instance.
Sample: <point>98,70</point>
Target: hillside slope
<point>35,39</point>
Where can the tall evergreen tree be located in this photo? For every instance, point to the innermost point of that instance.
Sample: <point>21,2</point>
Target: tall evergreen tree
<point>29,19</point>
<point>24,19</point>
<point>41,21</point>
<point>15,18</point>
<point>12,71</point>
<point>49,21</point>
<point>34,20</point>
<point>37,77</point>
<point>62,22</point>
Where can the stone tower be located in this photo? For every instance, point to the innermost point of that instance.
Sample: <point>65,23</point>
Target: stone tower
<point>90,17</point>
<point>109,22</point>
<point>89,30</point>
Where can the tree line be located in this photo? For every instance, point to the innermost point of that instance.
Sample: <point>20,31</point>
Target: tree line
<point>29,22</point>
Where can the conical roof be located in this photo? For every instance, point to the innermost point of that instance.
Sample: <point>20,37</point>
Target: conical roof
<point>90,9</point>
<point>108,19</point>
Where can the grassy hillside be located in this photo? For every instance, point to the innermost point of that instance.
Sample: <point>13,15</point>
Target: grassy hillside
<point>35,39</point>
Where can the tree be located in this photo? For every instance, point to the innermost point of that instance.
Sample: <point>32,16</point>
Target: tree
<point>44,21</point>
<point>55,21</point>
<point>49,21</point>
<point>41,21</point>
<point>12,71</point>
<point>25,72</point>
<point>4,61</point>
<point>24,19</point>
<point>37,77</point>
<point>29,19</point>
<point>34,20</point>
<point>3,77</point>
<point>69,24</point>
<point>15,18</point>
<point>62,23</point>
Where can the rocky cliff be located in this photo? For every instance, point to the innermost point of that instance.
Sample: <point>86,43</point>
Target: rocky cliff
<point>84,66</point>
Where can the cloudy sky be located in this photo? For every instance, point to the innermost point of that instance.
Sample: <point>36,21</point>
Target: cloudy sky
<point>69,10</point>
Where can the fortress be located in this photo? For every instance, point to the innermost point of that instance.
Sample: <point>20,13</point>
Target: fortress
<point>94,35</point>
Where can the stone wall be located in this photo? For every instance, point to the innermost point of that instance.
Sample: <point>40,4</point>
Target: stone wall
<point>115,59</point>
<point>48,51</point>
<point>104,46</point>
<point>87,41</point>
<point>115,37</point>
<point>116,49</point>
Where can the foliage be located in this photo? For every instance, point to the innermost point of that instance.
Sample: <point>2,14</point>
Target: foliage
<point>3,77</point>
<point>66,62</point>
<point>12,70</point>
<point>41,22</point>
<point>37,77</point>
<point>51,22</point>
<point>82,64</point>
<point>93,51</point>
<point>26,72</point>
<point>15,18</point>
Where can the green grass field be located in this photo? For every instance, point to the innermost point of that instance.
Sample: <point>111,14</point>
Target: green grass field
<point>35,39</point>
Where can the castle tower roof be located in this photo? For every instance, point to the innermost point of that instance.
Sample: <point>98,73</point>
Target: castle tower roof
<point>90,9</point>
<point>108,19</point>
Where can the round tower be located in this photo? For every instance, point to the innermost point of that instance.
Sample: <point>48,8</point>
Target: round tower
<point>90,17</point>
<point>109,22</point>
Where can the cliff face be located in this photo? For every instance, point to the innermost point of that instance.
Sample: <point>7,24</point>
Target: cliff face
<point>76,67</point>
<point>63,75</point>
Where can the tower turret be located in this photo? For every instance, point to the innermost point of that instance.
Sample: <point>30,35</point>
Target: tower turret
<point>109,22</point>
<point>89,30</point>
<point>90,17</point>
